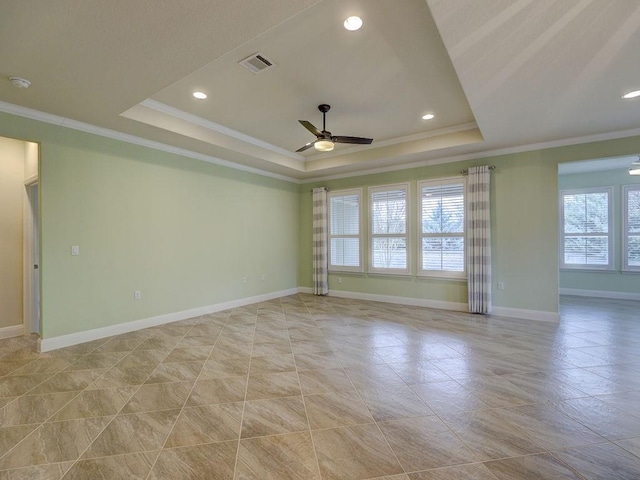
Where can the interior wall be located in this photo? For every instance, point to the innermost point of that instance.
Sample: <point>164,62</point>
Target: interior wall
<point>12,167</point>
<point>611,280</point>
<point>524,209</point>
<point>183,232</point>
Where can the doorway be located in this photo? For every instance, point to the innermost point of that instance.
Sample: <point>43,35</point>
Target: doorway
<point>31,251</point>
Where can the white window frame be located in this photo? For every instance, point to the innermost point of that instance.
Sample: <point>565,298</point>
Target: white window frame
<point>625,231</point>
<point>442,273</point>
<point>342,193</point>
<point>406,235</point>
<point>610,234</point>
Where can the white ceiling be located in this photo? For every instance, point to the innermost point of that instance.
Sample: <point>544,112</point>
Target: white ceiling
<point>498,75</point>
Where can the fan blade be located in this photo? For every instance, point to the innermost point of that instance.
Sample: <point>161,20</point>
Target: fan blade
<point>309,126</point>
<point>358,140</point>
<point>306,147</point>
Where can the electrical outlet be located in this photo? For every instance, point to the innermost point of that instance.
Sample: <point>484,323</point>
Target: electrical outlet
<point>263,277</point>
<point>244,279</point>
<point>500,285</point>
<point>137,295</point>
<point>75,250</point>
<point>339,280</point>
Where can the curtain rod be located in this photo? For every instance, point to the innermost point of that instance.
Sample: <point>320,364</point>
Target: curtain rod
<point>325,189</point>
<point>466,171</point>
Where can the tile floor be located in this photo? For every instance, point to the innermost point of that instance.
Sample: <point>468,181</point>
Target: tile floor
<point>324,388</point>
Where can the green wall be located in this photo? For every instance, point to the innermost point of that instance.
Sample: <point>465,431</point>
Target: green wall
<point>182,231</point>
<point>524,209</point>
<point>185,232</point>
<point>613,280</point>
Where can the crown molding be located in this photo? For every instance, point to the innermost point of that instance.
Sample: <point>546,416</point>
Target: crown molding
<point>135,140</point>
<point>487,153</point>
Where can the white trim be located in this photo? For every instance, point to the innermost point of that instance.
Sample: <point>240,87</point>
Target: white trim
<point>578,292</point>
<point>406,187</point>
<point>216,127</point>
<point>135,140</point>
<point>342,193</point>
<point>415,302</point>
<point>48,344</point>
<point>626,190</point>
<point>524,314</point>
<point>609,235</point>
<point>478,155</point>
<point>519,313</point>
<point>12,331</point>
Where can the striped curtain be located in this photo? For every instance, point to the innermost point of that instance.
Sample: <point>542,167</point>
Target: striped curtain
<point>320,277</point>
<point>479,239</point>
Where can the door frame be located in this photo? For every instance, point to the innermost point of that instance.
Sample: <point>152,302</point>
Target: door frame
<point>31,257</point>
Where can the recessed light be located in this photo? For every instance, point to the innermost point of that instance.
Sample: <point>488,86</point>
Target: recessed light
<point>353,23</point>
<point>200,95</point>
<point>634,94</point>
<point>428,116</point>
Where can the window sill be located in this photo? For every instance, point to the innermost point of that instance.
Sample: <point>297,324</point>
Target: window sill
<point>588,270</point>
<point>448,278</point>
<point>390,274</point>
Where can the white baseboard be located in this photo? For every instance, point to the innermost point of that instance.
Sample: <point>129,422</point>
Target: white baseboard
<point>442,305</point>
<point>523,314</point>
<point>600,294</point>
<point>12,331</point>
<point>48,344</point>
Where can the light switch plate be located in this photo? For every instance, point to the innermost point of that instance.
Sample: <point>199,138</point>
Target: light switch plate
<point>75,250</point>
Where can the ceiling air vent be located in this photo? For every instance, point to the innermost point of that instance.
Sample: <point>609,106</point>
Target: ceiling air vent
<point>256,62</point>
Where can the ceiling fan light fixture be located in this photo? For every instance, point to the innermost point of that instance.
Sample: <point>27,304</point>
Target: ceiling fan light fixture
<point>353,23</point>
<point>634,94</point>
<point>324,145</point>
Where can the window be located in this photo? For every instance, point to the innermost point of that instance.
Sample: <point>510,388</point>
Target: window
<point>388,240</point>
<point>631,232</point>
<point>586,226</point>
<point>344,230</point>
<point>442,232</point>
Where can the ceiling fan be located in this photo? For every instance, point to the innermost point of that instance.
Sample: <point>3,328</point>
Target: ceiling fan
<point>324,140</point>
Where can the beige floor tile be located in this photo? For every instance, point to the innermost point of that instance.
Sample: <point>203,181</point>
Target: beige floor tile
<point>11,436</point>
<point>131,433</point>
<point>158,396</point>
<point>53,471</point>
<point>14,386</point>
<point>476,471</point>
<point>272,364</point>
<point>213,461</point>
<point>123,376</point>
<point>631,445</point>
<point>356,452</point>
<point>534,467</point>
<point>274,416</point>
<point>95,403</point>
<point>394,404</point>
<point>54,442</point>
<point>143,357</point>
<point>188,354</point>
<point>602,462</point>
<point>210,423</point>
<point>324,381</point>
<point>424,443</point>
<point>317,361</point>
<point>135,466</point>
<point>33,408</point>
<point>271,349</point>
<point>225,367</point>
<point>273,385</point>
<point>68,381</point>
<point>218,390</point>
<point>277,457</point>
<point>336,409</point>
<point>489,435</point>
<point>175,372</point>
<point>96,360</point>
